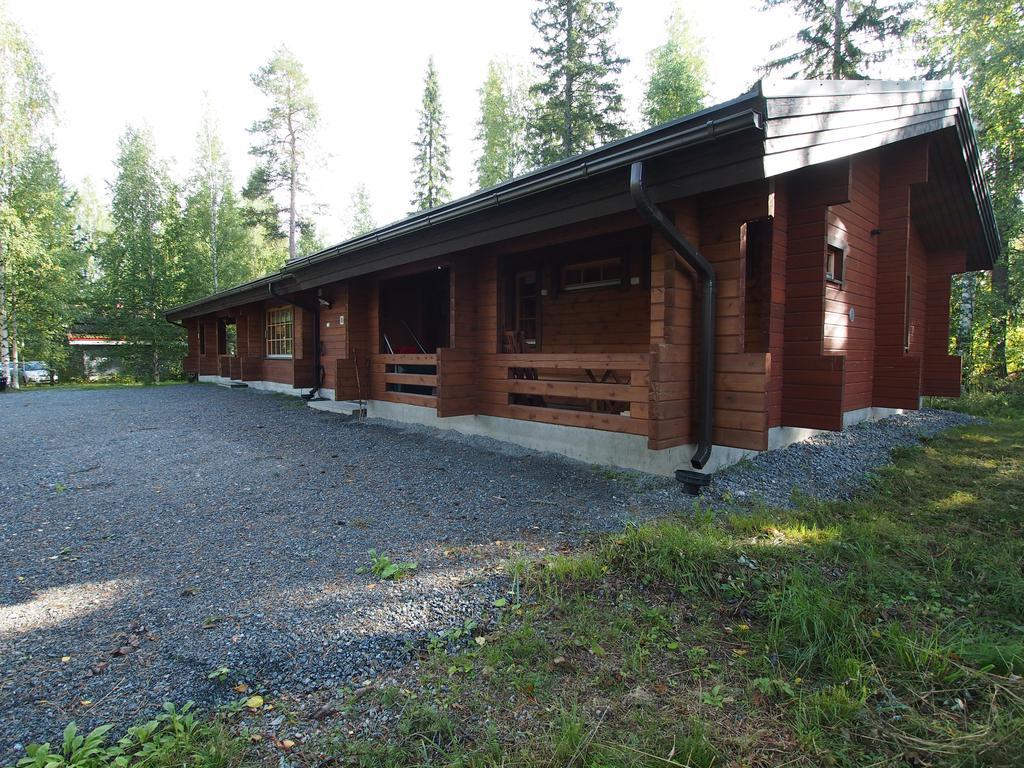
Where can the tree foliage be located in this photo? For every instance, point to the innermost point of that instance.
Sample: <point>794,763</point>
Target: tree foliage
<point>579,102</point>
<point>360,215</point>
<point>46,258</point>
<point>283,142</point>
<point>678,82</point>
<point>26,107</point>
<point>841,38</point>
<point>501,128</point>
<point>982,41</point>
<point>141,260</point>
<point>431,171</point>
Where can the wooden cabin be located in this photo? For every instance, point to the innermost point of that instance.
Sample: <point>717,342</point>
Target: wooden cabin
<point>730,282</point>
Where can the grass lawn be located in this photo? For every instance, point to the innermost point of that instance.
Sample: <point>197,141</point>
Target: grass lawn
<point>886,631</point>
<point>118,384</point>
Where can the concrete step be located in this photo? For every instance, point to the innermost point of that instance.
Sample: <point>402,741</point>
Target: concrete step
<point>344,407</point>
<point>233,384</point>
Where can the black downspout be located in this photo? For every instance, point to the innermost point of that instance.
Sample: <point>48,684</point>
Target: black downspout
<point>319,380</point>
<point>706,275</point>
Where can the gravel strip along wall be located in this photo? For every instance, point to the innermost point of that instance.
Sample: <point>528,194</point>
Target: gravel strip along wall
<point>151,536</point>
<point>831,465</point>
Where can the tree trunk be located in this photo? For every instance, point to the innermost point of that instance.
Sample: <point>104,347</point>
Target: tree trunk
<point>1007,205</point>
<point>293,164</point>
<point>5,347</point>
<point>568,139</point>
<point>965,322</point>
<point>837,40</point>
<point>1000,312</point>
<point>12,320</point>
<point>213,236</point>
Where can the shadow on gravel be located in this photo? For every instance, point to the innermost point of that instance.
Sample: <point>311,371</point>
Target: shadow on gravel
<point>157,535</point>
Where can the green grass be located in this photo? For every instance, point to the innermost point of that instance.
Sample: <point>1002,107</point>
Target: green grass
<point>884,631</point>
<point>70,385</point>
<point>176,737</point>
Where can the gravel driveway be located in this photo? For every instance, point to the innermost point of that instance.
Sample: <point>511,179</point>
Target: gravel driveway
<point>151,536</point>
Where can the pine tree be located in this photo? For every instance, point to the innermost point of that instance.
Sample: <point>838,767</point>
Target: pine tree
<point>579,101</point>
<point>360,216</point>
<point>839,33</point>
<point>140,260</point>
<point>501,129</point>
<point>678,82</point>
<point>284,141</point>
<point>431,173</point>
<point>26,107</point>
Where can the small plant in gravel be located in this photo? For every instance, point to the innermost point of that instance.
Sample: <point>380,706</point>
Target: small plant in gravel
<point>174,737</point>
<point>220,674</point>
<point>385,568</point>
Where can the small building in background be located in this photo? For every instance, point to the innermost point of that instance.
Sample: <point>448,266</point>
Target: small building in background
<point>94,357</point>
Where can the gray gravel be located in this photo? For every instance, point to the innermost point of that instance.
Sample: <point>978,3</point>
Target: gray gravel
<point>828,466</point>
<point>151,536</point>
<point>196,527</point>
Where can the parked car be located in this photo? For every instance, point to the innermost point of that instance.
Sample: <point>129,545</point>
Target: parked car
<point>37,372</point>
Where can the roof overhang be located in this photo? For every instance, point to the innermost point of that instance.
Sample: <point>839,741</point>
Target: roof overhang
<point>777,127</point>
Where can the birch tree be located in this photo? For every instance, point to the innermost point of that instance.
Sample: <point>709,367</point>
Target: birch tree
<point>212,182</point>
<point>501,128</point>
<point>140,259</point>
<point>284,141</point>
<point>678,82</point>
<point>360,215</point>
<point>26,107</point>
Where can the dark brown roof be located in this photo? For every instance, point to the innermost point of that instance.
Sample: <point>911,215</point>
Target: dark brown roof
<point>776,127</point>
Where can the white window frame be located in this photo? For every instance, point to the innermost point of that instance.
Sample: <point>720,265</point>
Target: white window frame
<point>270,340</point>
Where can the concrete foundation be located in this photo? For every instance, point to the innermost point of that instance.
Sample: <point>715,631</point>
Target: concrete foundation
<point>268,386</point>
<point>596,446</point>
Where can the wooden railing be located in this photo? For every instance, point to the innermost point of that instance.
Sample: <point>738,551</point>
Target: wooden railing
<point>609,391</point>
<point>409,379</point>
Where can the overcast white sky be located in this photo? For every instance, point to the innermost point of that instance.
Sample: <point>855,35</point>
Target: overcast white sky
<point>119,62</point>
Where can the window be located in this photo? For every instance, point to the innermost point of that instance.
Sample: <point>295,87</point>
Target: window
<point>834,263</point>
<point>756,242</point>
<point>906,318</point>
<point>526,307</point>
<point>202,337</point>
<point>279,332</point>
<point>591,274</point>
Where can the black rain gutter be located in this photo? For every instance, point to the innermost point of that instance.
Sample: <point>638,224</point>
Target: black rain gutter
<point>706,275</point>
<point>642,147</point>
<point>319,370</point>
<point>546,179</point>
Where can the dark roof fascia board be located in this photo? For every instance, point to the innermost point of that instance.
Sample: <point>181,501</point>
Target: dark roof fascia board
<point>979,183</point>
<point>914,108</point>
<point>255,290</point>
<point>736,116</point>
<point>777,107</point>
<point>649,144</point>
<point>603,197</point>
